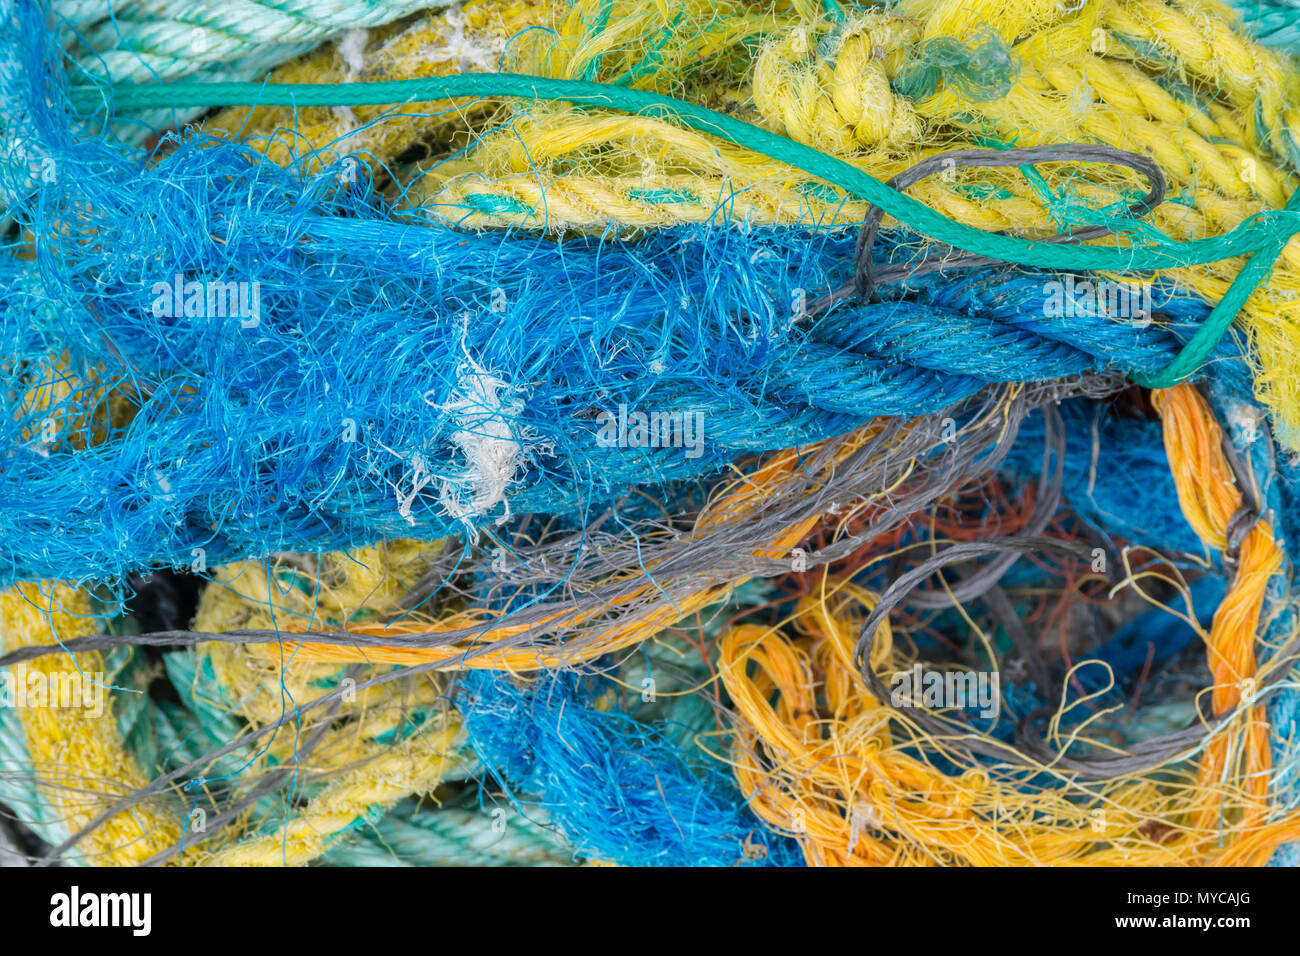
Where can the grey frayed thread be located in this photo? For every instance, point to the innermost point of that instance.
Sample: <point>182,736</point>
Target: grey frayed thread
<point>685,559</point>
<point>10,854</point>
<point>264,784</point>
<point>1030,751</point>
<point>1046,504</point>
<point>868,277</point>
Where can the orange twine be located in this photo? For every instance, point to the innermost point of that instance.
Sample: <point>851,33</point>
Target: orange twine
<point>856,782</point>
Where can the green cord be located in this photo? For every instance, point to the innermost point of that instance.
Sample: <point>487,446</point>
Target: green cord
<point>833,8</point>
<point>651,59</point>
<point>1215,327</point>
<point>1263,235</point>
<point>602,20</point>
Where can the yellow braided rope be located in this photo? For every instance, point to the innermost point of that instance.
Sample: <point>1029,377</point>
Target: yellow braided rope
<point>76,752</point>
<point>388,774</point>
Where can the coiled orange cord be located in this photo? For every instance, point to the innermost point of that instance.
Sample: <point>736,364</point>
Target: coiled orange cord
<point>858,783</point>
<point>1209,496</point>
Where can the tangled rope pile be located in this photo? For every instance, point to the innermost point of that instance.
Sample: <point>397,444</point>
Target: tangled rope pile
<point>531,432</point>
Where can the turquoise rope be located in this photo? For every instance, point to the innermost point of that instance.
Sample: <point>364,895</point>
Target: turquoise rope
<point>833,9</point>
<point>1215,326</point>
<point>1262,236</point>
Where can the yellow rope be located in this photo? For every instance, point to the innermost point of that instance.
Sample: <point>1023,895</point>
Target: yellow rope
<point>367,775</point>
<point>77,755</point>
<point>464,38</point>
<point>388,774</point>
<point>734,503</point>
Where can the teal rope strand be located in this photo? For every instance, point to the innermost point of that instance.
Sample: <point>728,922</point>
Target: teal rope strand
<point>833,9</point>
<point>1273,22</point>
<point>1264,234</point>
<point>1215,326</point>
<point>1260,232</point>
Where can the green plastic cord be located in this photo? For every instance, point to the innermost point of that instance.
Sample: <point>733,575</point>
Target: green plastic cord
<point>1262,237</point>
<point>1215,327</point>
